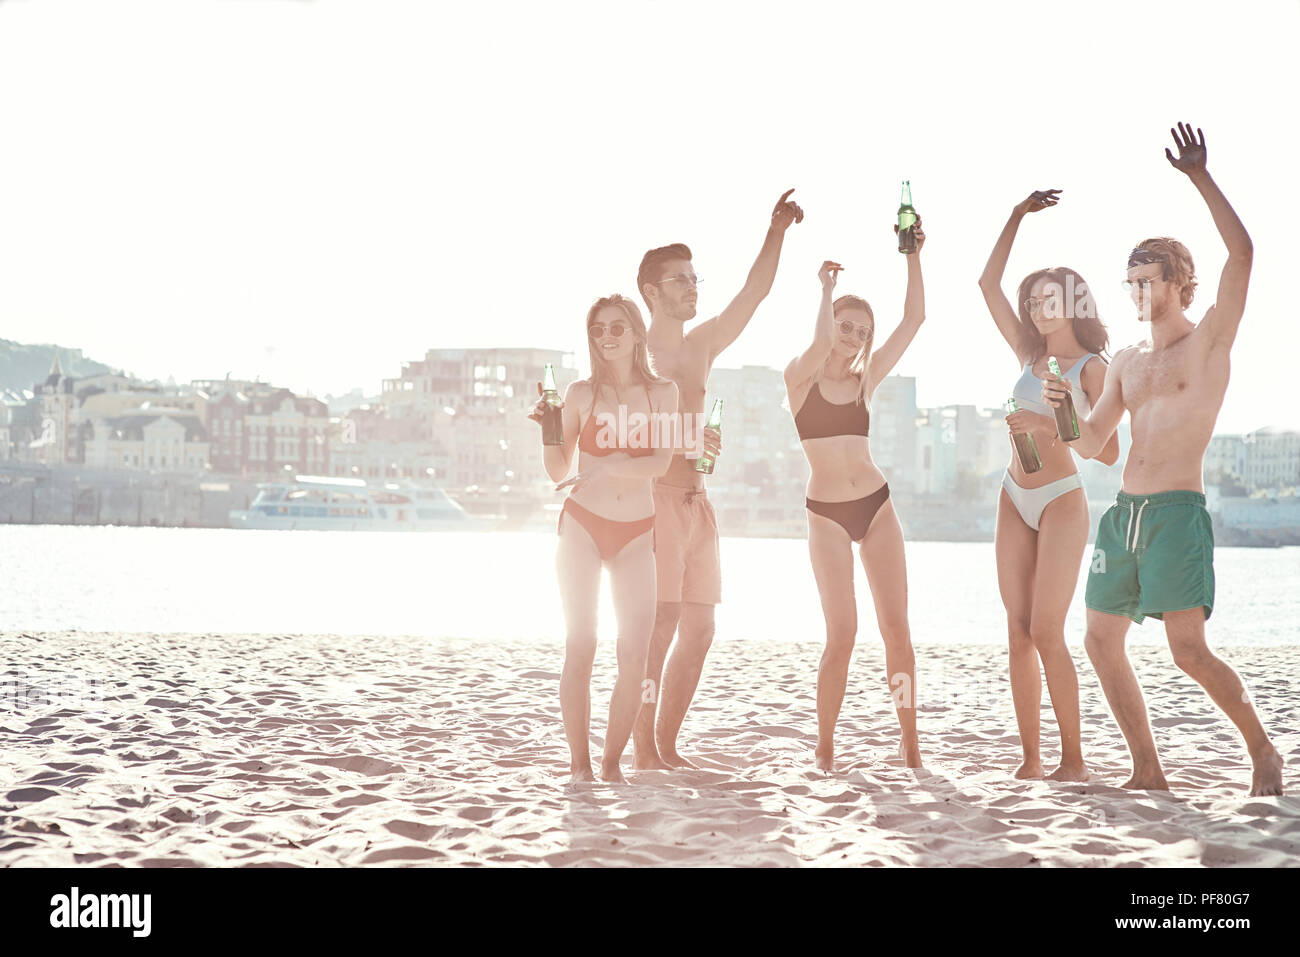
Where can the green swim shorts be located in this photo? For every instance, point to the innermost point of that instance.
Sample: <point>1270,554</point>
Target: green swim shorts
<point>1154,553</point>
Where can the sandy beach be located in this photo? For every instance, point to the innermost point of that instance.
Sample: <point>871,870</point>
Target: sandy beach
<point>200,750</point>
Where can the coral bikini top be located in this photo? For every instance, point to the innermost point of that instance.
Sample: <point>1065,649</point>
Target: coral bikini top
<point>587,437</point>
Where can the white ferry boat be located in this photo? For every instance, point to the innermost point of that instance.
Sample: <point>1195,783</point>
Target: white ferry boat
<point>322,503</point>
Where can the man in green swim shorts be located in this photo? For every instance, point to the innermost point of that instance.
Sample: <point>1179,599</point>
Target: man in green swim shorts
<point>1155,550</point>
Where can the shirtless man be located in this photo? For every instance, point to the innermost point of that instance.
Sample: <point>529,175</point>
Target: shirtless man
<point>1155,548</point>
<point>686,529</point>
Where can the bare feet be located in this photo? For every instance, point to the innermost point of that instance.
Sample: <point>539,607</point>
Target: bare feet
<point>1147,779</point>
<point>582,776</point>
<point>825,759</point>
<point>612,773</point>
<point>1029,770</point>
<point>675,760</point>
<point>1267,778</point>
<point>649,762</point>
<point>1070,772</point>
<point>911,754</point>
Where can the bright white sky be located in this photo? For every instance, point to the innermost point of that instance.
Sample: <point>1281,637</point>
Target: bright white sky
<point>314,192</point>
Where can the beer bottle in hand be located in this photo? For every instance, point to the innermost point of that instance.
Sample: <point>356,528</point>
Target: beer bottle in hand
<point>1067,423</point>
<point>906,220</point>
<point>552,422</point>
<point>1026,447</point>
<point>706,461</point>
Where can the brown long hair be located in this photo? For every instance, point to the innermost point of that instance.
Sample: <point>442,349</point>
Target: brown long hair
<point>1087,325</point>
<point>858,365</point>
<point>642,365</point>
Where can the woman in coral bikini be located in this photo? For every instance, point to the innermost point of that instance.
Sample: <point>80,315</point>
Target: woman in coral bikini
<point>830,388</point>
<point>1042,524</point>
<point>608,521</point>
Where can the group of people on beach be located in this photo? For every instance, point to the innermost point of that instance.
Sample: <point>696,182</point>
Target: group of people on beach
<point>643,512</point>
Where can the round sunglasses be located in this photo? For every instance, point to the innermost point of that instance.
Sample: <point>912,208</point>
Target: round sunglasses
<point>847,328</point>
<point>597,330</point>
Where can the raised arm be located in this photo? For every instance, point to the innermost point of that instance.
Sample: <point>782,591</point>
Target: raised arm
<point>1096,429</point>
<point>1000,307</point>
<point>805,365</point>
<point>886,357</point>
<point>722,330</point>
<point>1223,318</point>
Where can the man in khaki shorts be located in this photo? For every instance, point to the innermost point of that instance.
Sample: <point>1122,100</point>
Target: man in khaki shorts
<point>1155,547</point>
<point>686,528</point>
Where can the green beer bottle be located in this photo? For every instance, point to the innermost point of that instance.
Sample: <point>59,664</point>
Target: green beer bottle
<point>706,461</point>
<point>552,422</point>
<point>1067,422</point>
<point>1026,447</point>
<point>906,220</point>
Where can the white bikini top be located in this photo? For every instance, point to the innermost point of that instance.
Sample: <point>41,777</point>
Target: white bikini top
<point>1029,388</point>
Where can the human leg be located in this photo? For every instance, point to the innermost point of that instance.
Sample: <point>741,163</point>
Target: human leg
<point>632,585</point>
<point>1062,536</point>
<point>831,554</point>
<point>577,564</point>
<point>883,557</point>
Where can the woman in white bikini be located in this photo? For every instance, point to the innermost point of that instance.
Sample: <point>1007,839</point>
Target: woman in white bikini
<point>830,387</point>
<point>1042,523</point>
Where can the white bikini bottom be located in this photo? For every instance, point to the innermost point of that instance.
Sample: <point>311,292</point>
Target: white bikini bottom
<point>1030,502</point>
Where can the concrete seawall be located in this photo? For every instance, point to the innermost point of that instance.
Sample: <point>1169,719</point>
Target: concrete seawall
<point>72,496</point>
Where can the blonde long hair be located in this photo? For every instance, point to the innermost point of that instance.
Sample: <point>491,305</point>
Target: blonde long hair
<point>858,366</point>
<point>642,365</point>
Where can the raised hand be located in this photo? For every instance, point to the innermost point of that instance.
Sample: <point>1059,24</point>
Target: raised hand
<point>787,211</point>
<point>1191,151</point>
<point>918,232</point>
<point>828,274</point>
<point>1038,199</point>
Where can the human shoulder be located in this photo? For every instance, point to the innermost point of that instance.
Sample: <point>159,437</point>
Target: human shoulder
<point>698,342</point>
<point>579,390</point>
<point>701,337</point>
<point>1125,356</point>
<point>1092,371</point>
<point>664,390</point>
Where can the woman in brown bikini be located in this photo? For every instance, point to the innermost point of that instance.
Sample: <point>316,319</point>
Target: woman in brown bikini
<point>830,387</point>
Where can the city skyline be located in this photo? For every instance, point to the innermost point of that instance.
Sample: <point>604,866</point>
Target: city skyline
<point>378,394</point>
<point>105,443</point>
